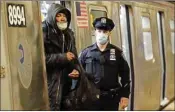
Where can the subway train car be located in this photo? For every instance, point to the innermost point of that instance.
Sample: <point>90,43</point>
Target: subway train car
<point>23,74</point>
<point>143,30</point>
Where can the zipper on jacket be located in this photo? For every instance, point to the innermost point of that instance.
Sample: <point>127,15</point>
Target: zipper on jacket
<point>63,44</point>
<point>57,92</point>
<point>59,80</point>
<point>57,95</point>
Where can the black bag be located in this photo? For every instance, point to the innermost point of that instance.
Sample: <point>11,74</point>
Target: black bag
<point>85,93</point>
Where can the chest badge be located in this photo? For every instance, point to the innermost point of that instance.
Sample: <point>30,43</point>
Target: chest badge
<point>112,54</point>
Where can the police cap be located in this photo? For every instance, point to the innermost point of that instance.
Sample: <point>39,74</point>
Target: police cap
<point>103,23</point>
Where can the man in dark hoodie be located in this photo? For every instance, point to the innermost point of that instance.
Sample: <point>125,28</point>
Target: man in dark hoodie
<point>61,55</point>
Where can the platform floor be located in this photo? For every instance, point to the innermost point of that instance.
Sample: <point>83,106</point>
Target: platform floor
<point>171,106</point>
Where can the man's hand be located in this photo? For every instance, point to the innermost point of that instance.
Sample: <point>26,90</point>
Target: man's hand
<point>124,102</point>
<point>74,74</point>
<point>70,56</point>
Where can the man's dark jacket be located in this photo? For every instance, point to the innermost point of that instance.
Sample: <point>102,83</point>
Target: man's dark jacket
<point>57,65</point>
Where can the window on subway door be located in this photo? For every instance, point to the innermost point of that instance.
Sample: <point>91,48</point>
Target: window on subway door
<point>172,22</point>
<point>147,37</point>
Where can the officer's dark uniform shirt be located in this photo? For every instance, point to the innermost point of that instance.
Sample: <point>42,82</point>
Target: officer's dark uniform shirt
<point>106,66</point>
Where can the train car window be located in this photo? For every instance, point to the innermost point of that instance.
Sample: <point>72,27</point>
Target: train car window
<point>145,22</point>
<point>172,24</point>
<point>147,45</point>
<point>172,35</point>
<point>95,12</point>
<point>147,40</point>
<point>172,42</point>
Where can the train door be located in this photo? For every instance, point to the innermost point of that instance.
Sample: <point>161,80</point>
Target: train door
<point>170,54</point>
<point>24,85</point>
<point>161,35</point>
<point>147,59</point>
<point>6,95</point>
<point>127,34</point>
<point>115,16</point>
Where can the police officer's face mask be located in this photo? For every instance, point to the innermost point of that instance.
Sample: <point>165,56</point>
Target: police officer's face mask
<point>62,25</point>
<point>101,38</point>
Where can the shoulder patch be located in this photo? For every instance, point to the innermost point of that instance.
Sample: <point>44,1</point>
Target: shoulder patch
<point>112,54</point>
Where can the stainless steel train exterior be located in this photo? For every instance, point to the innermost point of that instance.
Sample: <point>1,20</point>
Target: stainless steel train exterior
<point>144,31</point>
<point>23,74</point>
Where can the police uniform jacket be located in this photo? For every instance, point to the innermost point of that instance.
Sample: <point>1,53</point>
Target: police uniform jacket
<point>105,68</point>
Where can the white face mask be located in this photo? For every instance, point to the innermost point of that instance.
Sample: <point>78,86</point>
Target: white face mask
<point>101,38</point>
<point>62,25</point>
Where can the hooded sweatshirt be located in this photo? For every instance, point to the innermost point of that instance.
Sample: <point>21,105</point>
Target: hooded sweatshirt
<point>57,65</point>
<point>52,12</point>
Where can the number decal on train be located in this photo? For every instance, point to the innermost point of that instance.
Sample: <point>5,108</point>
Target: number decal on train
<point>16,15</point>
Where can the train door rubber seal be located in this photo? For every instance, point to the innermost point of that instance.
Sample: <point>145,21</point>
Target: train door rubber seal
<point>131,58</point>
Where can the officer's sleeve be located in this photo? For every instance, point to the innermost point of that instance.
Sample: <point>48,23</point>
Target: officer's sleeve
<point>124,73</point>
<point>81,58</point>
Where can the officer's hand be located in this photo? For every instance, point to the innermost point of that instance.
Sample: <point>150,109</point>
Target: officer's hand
<point>124,102</point>
<point>70,56</point>
<point>74,74</point>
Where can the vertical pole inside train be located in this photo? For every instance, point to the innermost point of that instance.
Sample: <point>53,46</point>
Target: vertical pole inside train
<point>160,24</point>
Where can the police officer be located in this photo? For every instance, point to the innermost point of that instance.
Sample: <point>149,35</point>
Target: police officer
<point>104,64</point>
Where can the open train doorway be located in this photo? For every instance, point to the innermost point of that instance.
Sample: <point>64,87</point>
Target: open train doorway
<point>160,25</point>
<point>126,24</point>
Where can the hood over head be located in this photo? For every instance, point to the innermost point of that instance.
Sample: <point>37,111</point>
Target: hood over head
<point>53,10</point>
